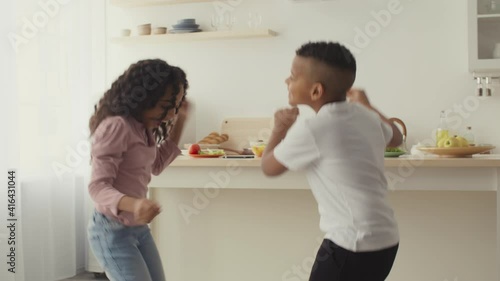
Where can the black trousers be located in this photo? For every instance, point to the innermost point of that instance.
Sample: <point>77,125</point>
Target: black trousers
<point>334,263</point>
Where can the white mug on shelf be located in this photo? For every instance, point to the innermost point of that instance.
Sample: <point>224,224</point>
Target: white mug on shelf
<point>496,51</point>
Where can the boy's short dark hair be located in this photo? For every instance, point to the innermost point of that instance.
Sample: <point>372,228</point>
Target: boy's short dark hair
<point>336,56</point>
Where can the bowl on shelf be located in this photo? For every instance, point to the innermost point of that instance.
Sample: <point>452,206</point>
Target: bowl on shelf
<point>144,29</point>
<point>456,152</point>
<point>125,32</point>
<point>159,30</point>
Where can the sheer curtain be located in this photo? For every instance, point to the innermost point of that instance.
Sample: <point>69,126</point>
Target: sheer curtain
<point>56,58</point>
<point>8,141</point>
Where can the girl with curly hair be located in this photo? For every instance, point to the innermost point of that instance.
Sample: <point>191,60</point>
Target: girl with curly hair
<point>135,129</point>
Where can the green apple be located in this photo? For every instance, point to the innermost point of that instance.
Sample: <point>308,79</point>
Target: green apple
<point>451,142</point>
<point>463,142</point>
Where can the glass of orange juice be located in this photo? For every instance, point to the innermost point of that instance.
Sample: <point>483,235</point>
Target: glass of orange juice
<point>258,148</point>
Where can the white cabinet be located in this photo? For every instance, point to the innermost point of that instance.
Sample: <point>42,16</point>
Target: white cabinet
<point>484,36</point>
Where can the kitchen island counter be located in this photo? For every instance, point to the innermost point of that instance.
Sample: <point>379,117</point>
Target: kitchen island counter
<point>211,205</point>
<point>405,173</point>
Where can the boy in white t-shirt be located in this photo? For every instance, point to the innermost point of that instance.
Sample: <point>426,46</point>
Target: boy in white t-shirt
<point>342,151</point>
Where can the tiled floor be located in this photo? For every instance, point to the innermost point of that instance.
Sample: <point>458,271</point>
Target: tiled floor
<point>85,277</point>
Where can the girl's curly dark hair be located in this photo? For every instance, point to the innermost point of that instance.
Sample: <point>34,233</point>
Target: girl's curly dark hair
<point>138,89</point>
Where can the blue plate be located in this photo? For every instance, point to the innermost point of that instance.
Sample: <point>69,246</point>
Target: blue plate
<point>186,20</point>
<point>186,26</point>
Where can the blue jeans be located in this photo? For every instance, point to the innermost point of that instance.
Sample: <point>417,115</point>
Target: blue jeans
<point>127,253</point>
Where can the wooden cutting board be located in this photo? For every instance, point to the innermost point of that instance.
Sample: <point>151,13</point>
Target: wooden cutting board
<point>243,130</point>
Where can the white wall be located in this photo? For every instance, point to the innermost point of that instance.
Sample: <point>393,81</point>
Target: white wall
<point>414,68</point>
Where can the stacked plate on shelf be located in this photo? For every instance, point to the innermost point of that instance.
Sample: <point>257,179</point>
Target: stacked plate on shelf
<point>185,26</point>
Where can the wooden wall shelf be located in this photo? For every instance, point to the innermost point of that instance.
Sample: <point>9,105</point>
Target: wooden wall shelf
<point>195,36</point>
<point>148,3</point>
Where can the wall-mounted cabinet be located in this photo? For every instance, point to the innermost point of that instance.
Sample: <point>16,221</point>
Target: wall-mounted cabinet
<point>147,3</point>
<point>484,36</point>
<point>195,36</point>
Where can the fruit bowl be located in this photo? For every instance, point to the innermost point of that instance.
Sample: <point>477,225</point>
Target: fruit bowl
<point>456,152</point>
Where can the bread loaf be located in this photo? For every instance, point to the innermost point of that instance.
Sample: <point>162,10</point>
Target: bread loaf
<point>214,138</point>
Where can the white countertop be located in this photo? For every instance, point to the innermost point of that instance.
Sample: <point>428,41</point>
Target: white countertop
<point>484,160</point>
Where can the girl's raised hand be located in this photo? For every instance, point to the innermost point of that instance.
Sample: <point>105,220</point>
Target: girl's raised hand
<point>184,109</point>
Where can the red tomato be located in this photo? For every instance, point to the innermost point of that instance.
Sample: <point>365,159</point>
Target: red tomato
<point>194,149</point>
